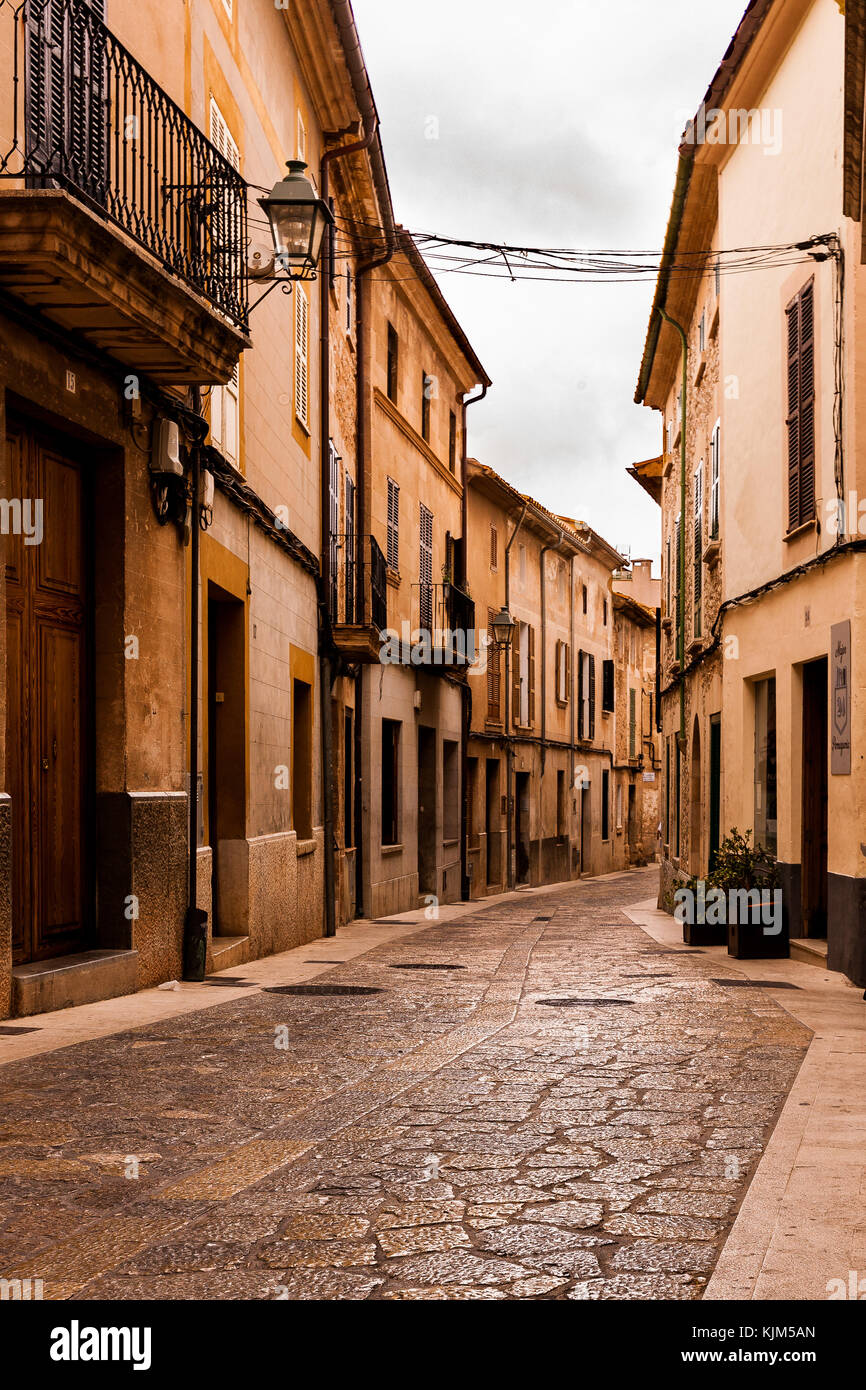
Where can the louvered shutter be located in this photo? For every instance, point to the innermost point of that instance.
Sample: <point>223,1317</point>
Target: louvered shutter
<point>515,674</point>
<point>632,725</point>
<point>425,567</point>
<point>801,408</point>
<point>333,525</point>
<point>591,678</point>
<point>567,692</point>
<point>677,581</point>
<point>393,556</point>
<point>698,545</point>
<point>715,477</point>
<point>302,351</point>
<point>350,549</point>
<point>64,95</point>
<point>86,154</point>
<point>532,675</point>
<point>493,677</point>
<point>580,676</point>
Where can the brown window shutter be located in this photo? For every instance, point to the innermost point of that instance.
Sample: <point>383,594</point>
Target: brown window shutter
<point>592,697</point>
<point>566,694</point>
<point>532,675</point>
<point>807,403</point>
<point>515,680</point>
<point>580,733</point>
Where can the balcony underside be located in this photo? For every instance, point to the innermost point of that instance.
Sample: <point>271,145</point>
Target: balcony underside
<point>358,642</point>
<point>86,275</point>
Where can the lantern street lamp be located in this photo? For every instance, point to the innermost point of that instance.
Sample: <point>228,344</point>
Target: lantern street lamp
<point>503,628</point>
<point>298,218</point>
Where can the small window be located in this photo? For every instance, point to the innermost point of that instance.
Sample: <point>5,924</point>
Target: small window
<point>702,332</point>
<point>632,723</point>
<point>563,672</point>
<point>302,355</point>
<point>605,804</point>
<point>393,363</point>
<point>452,442</point>
<point>607,687</point>
<point>390,782</point>
<point>583,596</point>
<point>800,420</point>
<point>350,304</point>
<point>604,611</point>
<point>715,477</point>
<point>426,393</point>
<point>225,418</point>
<point>494,548</point>
<point>393,547</point>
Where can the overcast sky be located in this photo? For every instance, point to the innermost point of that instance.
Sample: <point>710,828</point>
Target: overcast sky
<point>558,125</point>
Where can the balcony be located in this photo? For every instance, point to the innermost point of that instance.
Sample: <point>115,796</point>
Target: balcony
<point>442,630</point>
<point>118,218</point>
<point>358,598</point>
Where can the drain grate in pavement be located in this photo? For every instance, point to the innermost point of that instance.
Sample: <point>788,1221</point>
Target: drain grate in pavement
<point>755,984</point>
<point>650,975</point>
<point>230,982</point>
<point>583,1003</point>
<point>421,965</point>
<point>12,1032</point>
<point>322,989</point>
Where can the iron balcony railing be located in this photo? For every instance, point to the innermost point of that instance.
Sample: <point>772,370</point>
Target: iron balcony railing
<point>86,117</point>
<point>358,582</point>
<point>443,625</point>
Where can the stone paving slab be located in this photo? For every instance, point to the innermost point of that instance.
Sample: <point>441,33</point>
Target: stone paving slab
<point>450,1137</point>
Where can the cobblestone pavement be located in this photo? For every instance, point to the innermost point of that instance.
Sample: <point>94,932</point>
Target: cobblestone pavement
<point>534,1101</point>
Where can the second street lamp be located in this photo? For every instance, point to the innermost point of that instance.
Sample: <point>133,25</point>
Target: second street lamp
<point>503,628</point>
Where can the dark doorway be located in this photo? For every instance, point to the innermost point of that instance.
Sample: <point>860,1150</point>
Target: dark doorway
<point>521,801</point>
<point>696,857</point>
<point>426,810</point>
<point>226,730</point>
<point>814,846</point>
<point>585,829</point>
<point>632,821</point>
<point>715,787</point>
<point>348,781</point>
<point>48,702</point>
<point>492,834</point>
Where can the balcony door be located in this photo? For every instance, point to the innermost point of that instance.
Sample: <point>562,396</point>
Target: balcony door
<point>47,709</point>
<point>66,101</point>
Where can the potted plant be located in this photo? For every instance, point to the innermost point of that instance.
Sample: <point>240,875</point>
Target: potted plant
<point>748,875</point>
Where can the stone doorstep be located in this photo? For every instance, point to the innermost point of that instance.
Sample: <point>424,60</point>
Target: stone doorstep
<point>228,951</point>
<point>810,950</point>
<point>64,981</point>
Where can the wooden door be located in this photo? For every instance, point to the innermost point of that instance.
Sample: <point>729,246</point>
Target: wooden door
<point>814,849</point>
<point>46,715</point>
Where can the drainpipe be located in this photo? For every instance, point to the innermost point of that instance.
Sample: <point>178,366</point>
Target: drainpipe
<point>509,801</point>
<point>681,558</point>
<point>465,692</point>
<point>195,923</point>
<point>326,667</point>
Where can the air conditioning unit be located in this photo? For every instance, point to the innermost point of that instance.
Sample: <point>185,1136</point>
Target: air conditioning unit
<point>165,459</point>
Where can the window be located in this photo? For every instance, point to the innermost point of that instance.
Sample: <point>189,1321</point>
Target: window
<point>765,764</point>
<point>426,393</point>
<point>301,139</point>
<point>393,363</point>
<point>450,793</point>
<point>563,672</point>
<point>425,567</point>
<point>801,407</point>
<point>452,442</point>
<point>302,759</point>
<point>523,674</point>
<point>607,686</point>
<point>494,548</point>
<point>225,417</point>
<point>605,804</point>
<point>715,474</point>
<point>698,546</point>
<point>586,695</point>
<point>522,565</point>
<point>350,305</point>
<point>677,540</point>
<point>393,547</point>
<point>390,782</point>
<point>632,723</point>
<point>702,332</point>
<point>670,432</point>
<point>333,527</point>
<point>583,596</point>
<point>561,807</point>
<point>302,356</point>
<point>494,677</point>
<point>604,612</point>
<point>619,805</point>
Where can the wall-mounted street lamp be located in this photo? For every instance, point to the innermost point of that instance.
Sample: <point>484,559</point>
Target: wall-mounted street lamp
<point>503,626</point>
<point>298,218</point>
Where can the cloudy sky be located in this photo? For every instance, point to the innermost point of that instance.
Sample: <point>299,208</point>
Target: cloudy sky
<point>558,124</point>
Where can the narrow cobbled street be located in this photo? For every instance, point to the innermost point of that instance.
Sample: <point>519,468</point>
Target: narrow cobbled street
<point>533,1101</point>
